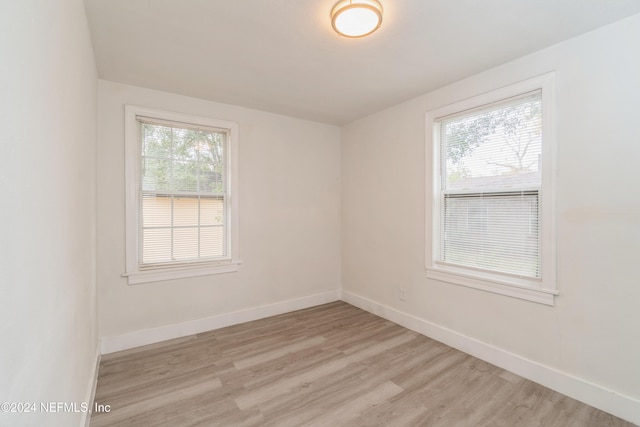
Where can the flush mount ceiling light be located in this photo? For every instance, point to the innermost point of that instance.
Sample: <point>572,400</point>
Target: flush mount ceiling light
<point>356,18</point>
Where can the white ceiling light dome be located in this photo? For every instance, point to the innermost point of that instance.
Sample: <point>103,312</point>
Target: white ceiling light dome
<point>356,18</point>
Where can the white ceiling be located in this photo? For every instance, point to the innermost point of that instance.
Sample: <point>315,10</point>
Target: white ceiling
<point>282,55</point>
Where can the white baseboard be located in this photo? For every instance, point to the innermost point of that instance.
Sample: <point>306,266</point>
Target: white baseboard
<point>163,333</point>
<point>622,406</point>
<point>91,388</point>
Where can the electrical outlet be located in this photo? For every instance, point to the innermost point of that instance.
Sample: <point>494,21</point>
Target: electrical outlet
<point>403,294</point>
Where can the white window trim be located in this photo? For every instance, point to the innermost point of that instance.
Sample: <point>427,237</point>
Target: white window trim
<point>134,273</point>
<point>542,290</point>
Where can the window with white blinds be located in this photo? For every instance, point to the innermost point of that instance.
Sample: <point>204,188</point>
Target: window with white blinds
<point>181,185</point>
<point>183,193</point>
<point>490,178</point>
<point>492,195</point>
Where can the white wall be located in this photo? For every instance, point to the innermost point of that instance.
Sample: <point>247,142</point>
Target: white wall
<point>289,217</point>
<point>48,320</point>
<point>593,332</point>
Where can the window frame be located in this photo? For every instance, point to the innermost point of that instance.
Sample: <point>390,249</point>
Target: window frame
<point>541,290</point>
<point>135,272</point>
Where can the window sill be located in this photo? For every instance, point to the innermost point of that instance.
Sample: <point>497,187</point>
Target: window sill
<point>169,273</point>
<point>504,286</point>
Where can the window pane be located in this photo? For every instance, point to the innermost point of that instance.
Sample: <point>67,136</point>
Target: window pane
<point>183,147</point>
<point>212,242</point>
<point>497,148</point>
<point>185,243</point>
<point>493,232</point>
<point>156,246</point>
<point>156,141</point>
<point>185,176</point>
<point>185,211</point>
<point>156,174</point>
<point>212,178</point>
<point>211,211</point>
<point>156,211</point>
<point>212,157</point>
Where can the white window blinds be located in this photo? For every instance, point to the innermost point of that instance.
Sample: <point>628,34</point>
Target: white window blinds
<point>182,195</point>
<point>490,187</point>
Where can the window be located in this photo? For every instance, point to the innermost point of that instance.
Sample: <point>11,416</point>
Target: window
<point>181,206</point>
<point>492,197</point>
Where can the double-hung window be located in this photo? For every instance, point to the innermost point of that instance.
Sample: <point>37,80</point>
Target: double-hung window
<point>181,202</point>
<point>492,198</point>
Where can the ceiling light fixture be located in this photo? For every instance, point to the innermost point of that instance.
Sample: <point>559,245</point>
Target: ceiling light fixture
<point>356,18</point>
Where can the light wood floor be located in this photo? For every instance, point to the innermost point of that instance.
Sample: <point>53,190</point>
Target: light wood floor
<point>331,365</point>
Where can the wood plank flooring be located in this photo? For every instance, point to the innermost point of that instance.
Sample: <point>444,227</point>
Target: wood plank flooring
<point>331,365</point>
